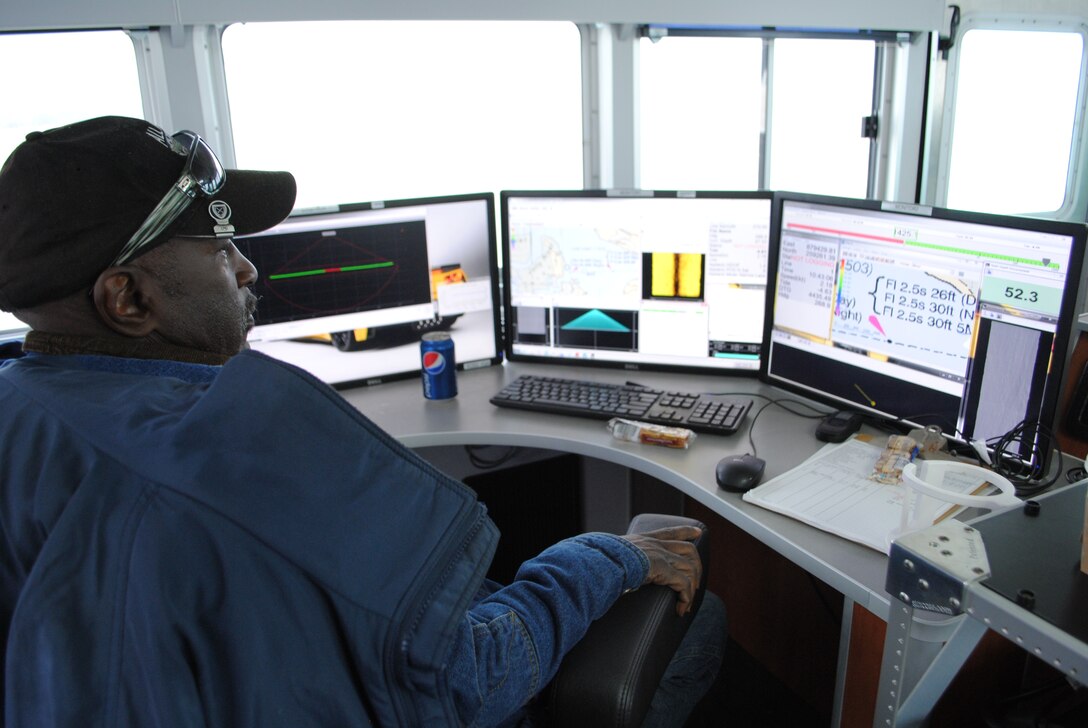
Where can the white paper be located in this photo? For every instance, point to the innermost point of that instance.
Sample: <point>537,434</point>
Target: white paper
<point>832,491</point>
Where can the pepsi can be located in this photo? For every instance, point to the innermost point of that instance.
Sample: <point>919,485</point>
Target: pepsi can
<point>439,365</point>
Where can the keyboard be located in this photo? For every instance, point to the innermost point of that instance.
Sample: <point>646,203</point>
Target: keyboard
<point>715,414</point>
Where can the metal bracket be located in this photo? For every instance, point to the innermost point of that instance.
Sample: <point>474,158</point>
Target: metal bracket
<point>945,42</point>
<point>931,570</point>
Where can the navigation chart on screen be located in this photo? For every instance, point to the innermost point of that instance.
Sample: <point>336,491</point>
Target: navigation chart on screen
<point>572,261</point>
<point>651,279</point>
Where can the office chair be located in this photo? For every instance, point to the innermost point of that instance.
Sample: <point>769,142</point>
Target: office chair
<point>610,676</point>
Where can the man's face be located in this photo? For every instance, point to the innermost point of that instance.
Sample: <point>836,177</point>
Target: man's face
<point>204,297</point>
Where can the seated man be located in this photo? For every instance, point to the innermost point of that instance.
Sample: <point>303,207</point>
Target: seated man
<point>194,533</point>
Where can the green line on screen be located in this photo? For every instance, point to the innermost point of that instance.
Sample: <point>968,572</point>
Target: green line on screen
<point>323,271</point>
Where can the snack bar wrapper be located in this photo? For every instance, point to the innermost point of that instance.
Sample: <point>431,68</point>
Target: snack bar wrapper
<point>650,434</point>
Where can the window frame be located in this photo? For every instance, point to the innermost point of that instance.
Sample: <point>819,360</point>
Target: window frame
<point>217,87</point>
<point>11,328</point>
<point>883,90</point>
<point>1076,183</point>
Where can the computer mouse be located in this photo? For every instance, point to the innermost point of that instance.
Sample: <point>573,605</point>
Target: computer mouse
<point>739,473</point>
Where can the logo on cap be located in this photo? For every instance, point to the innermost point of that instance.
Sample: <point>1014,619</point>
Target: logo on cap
<point>220,212</point>
<point>433,362</point>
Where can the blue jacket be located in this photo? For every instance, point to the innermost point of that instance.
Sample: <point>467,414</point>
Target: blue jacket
<point>236,546</point>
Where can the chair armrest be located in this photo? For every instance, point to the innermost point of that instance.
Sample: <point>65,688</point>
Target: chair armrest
<point>610,676</point>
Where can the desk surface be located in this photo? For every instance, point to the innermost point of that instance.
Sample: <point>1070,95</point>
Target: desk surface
<point>782,439</point>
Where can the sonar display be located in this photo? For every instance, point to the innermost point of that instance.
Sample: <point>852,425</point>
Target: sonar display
<point>597,328</point>
<point>672,275</point>
<point>362,268</point>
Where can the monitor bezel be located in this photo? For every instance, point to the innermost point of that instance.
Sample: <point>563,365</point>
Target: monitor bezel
<point>507,306</point>
<point>1067,321</point>
<point>493,263</point>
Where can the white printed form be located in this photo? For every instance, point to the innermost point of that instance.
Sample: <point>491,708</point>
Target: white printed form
<point>832,491</point>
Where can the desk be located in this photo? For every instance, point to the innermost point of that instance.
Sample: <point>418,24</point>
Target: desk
<point>782,439</point>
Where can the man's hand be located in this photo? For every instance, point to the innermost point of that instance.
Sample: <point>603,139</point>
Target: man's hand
<point>674,561</point>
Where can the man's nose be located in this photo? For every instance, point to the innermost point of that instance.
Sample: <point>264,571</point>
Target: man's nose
<point>246,272</point>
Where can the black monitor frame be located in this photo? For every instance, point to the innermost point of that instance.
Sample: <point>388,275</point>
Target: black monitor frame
<point>509,313</point>
<point>404,370</point>
<point>834,388</point>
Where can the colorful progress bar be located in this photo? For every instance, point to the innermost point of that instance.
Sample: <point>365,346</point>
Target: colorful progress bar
<point>323,271</point>
<point>980,254</point>
<point>1045,263</point>
<point>838,285</point>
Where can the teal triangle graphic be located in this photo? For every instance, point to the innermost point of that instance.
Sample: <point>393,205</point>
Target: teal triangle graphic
<point>595,320</point>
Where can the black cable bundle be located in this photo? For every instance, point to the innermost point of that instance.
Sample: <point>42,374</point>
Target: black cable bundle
<point>1010,459</point>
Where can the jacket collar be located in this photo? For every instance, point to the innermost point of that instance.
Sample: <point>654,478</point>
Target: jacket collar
<point>40,342</point>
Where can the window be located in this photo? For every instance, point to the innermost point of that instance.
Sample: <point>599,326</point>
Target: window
<point>701,107</point>
<point>76,76</point>
<point>704,101</point>
<point>363,111</point>
<point>1015,107</point>
<point>822,90</point>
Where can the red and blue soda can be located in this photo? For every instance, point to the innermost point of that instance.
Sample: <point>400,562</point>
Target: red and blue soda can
<point>439,365</point>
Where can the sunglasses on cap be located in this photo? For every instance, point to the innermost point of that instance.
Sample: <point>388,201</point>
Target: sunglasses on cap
<point>203,174</point>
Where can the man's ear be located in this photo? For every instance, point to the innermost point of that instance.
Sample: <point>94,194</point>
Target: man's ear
<point>122,301</point>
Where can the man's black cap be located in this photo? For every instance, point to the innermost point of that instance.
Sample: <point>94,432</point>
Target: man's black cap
<point>71,197</point>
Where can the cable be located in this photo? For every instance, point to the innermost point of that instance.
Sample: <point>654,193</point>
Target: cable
<point>1008,458</point>
<point>818,414</point>
<point>484,463</point>
<point>1025,471</point>
<point>906,423</point>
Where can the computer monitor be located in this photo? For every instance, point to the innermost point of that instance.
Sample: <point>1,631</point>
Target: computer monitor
<point>347,293</point>
<point>639,280</point>
<point>921,314</point>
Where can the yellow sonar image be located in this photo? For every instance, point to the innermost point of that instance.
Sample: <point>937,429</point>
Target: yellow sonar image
<point>689,275</point>
<point>663,274</point>
<point>676,275</point>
